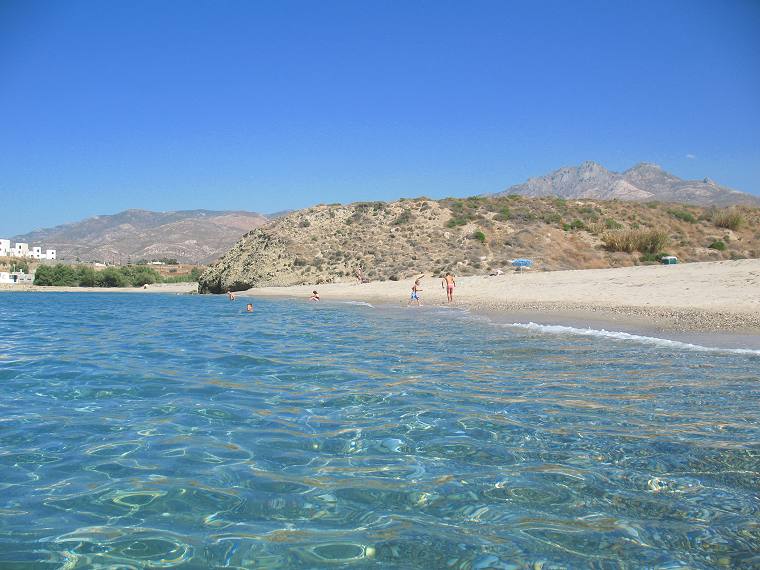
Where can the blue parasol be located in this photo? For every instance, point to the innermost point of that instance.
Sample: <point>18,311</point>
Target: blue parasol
<point>522,262</point>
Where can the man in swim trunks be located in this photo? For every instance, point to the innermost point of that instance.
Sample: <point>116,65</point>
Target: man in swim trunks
<point>416,292</point>
<point>448,283</point>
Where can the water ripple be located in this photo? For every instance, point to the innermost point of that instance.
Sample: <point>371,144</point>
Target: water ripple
<point>179,431</point>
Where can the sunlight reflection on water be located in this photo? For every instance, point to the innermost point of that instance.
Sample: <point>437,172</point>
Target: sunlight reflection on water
<point>179,431</point>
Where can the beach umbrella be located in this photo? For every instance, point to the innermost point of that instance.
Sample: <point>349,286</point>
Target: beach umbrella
<point>522,262</point>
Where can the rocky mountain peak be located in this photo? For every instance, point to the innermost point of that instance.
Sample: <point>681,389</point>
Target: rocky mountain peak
<point>645,181</point>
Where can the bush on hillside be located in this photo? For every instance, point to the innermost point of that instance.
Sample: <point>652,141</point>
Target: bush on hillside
<point>611,224</point>
<point>644,241</point>
<point>404,218</point>
<point>729,218</point>
<point>683,215</point>
<point>574,225</point>
<point>718,245</point>
<point>480,236</point>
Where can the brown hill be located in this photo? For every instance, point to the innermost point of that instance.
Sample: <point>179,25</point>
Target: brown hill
<point>644,182</point>
<point>191,236</point>
<point>397,240</point>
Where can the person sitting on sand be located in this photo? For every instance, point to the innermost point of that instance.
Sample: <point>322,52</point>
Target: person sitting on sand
<point>416,292</point>
<point>448,283</point>
<point>314,296</point>
<point>249,307</point>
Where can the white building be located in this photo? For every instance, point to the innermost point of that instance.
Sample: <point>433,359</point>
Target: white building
<point>21,250</point>
<point>17,277</point>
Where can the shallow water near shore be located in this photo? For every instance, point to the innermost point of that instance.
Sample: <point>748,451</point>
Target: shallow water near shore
<point>179,431</point>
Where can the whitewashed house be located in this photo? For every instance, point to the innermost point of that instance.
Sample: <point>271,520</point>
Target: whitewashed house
<point>5,247</point>
<point>36,253</point>
<point>19,277</point>
<point>49,254</point>
<point>16,278</point>
<point>21,250</point>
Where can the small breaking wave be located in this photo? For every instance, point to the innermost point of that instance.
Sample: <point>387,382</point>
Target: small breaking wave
<point>359,304</point>
<point>618,335</point>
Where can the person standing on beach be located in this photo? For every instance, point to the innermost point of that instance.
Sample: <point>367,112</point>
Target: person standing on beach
<point>416,292</point>
<point>448,283</point>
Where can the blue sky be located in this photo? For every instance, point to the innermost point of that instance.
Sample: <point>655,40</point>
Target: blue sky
<point>267,106</point>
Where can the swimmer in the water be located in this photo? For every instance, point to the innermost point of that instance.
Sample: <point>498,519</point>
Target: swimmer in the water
<point>249,307</point>
<point>230,295</point>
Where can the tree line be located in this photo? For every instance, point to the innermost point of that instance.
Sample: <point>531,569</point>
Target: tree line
<point>126,276</point>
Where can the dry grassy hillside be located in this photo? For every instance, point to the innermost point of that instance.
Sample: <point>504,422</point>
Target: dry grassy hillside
<point>396,240</point>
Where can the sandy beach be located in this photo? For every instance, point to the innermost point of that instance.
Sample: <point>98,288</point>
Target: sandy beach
<point>710,296</point>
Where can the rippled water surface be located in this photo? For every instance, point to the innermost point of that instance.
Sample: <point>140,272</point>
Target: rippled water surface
<point>178,431</point>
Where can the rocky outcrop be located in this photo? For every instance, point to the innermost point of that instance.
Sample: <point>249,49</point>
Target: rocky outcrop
<point>258,259</point>
<point>644,182</point>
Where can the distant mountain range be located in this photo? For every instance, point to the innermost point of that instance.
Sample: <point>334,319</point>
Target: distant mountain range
<point>644,182</point>
<point>191,236</point>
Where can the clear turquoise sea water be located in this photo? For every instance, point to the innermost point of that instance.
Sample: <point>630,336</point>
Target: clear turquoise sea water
<point>177,431</point>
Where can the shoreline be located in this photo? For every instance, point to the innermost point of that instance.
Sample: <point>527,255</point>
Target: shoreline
<point>709,303</point>
<point>689,299</point>
<point>179,288</point>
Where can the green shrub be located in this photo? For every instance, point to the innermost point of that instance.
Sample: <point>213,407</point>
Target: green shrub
<point>138,276</point>
<point>611,224</point>
<point>683,215</point>
<point>717,244</point>
<point>44,276</point>
<point>552,218</point>
<point>304,224</point>
<point>574,225</point>
<point>503,215</point>
<point>456,221</point>
<point>112,277</point>
<point>480,236</point>
<point>729,218</point>
<point>404,218</point>
<point>86,276</point>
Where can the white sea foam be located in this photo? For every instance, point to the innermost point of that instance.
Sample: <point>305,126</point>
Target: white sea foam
<point>617,335</point>
<point>359,303</point>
